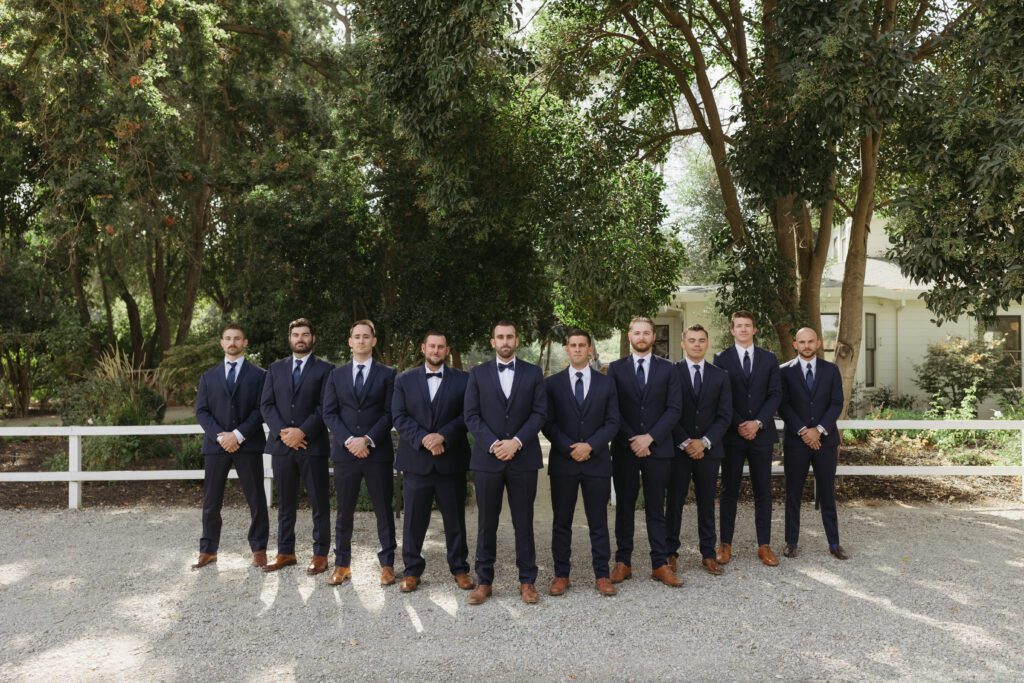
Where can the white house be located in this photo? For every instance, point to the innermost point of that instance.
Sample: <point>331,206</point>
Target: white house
<point>897,325</point>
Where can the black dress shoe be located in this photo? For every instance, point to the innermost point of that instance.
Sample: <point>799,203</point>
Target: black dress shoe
<point>790,551</point>
<point>838,552</point>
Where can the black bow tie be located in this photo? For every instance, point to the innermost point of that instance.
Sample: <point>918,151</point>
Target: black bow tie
<point>434,374</point>
<point>510,367</point>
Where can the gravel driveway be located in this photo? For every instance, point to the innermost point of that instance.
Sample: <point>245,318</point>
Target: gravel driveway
<point>932,593</point>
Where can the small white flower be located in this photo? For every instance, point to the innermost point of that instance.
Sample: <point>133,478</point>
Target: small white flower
<point>89,421</point>
<point>998,414</point>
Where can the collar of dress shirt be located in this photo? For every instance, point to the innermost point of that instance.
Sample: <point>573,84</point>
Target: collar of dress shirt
<point>296,357</point>
<point>646,358</point>
<point>741,350</point>
<point>439,369</point>
<point>241,359</point>
<point>585,370</point>
<point>803,365</point>
<point>690,363</point>
<point>502,362</point>
<point>366,366</point>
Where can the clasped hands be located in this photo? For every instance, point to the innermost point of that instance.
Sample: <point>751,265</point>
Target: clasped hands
<point>748,430</point>
<point>228,441</point>
<point>641,445</point>
<point>434,443</point>
<point>812,437</point>
<point>505,449</point>
<point>293,437</point>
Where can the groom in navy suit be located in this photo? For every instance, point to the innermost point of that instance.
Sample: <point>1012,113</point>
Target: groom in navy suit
<point>756,394</point>
<point>433,452</point>
<point>357,410</point>
<point>228,409</point>
<point>812,401</point>
<point>299,444</point>
<point>505,409</point>
<point>583,416</point>
<point>707,412</point>
<point>650,402</point>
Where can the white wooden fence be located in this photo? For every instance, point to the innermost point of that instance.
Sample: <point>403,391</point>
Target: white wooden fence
<point>76,477</point>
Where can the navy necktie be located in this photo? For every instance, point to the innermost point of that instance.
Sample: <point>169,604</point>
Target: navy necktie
<point>640,376</point>
<point>579,388</point>
<point>502,367</point>
<point>746,363</point>
<point>359,381</point>
<point>809,378</point>
<point>696,380</point>
<point>296,373</point>
<point>231,375</point>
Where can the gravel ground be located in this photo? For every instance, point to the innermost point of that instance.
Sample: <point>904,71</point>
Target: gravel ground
<point>932,593</point>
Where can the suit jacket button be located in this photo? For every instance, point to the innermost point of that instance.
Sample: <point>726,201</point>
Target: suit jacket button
<point>506,417</point>
<point>359,428</point>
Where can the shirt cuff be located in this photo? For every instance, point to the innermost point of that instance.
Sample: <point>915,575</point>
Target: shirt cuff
<point>348,439</point>
<point>823,431</point>
<point>491,449</point>
<point>684,444</point>
<point>801,431</point>
<point>706,441</point>
<point>372,444</point>
<point>760,425</point>
<point>238,436</point>
<point>518,442</point>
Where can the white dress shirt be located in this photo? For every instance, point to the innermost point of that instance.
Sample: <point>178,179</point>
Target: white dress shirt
<point>433,383</point>
<point>740,351</point>
<point>238,371</point>
<point>505,377</point>
<point>586,380</point>
<point>647,364</point>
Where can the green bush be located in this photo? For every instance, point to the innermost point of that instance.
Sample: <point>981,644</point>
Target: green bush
<point>182,366</point>
<point>116,394</point>
<point>956,366</point>
<point>189,455</point>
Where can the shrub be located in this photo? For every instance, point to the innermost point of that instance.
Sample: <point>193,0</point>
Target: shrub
<point>182,366</point>
<point>953,367</point>
<point>885,397</point>
<point>116,394</point>
<point>189,455</point>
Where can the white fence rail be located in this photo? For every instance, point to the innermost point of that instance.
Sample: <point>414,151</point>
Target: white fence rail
<point>75,476</point>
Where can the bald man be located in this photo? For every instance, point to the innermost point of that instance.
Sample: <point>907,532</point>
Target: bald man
<point>812,400</point>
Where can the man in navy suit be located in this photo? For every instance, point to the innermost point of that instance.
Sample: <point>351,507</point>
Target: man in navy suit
<point>812,400</point>
<point>707,412</point>
<point>583,416</point>
<point>756,393</point>
<point>228,409</point>
<point>505,409</point>
<point>650,402</point>
<point>433,452</point>
<point>299,444</point>
<point>357,411</point>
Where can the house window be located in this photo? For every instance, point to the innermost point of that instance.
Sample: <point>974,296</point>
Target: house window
<point>870,344</point>
<point>829,331</point>
<point>1006,329</point>
<point>661,341</point>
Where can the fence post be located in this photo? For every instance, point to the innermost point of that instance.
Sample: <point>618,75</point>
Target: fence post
<point>267,479</point>
<point>74,467</point>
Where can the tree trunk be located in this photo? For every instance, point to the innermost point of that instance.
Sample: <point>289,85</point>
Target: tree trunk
<point>156,272</point>
<point>138,338</point>
<point>456,359</point>
<point>851,309</point>
<point>199,217</point>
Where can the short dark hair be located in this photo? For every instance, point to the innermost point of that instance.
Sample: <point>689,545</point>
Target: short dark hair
<point>435,333</point>
<point>640,319</point>
<point>233,326</point>
<point>577,332</point>
<point>697,327</point>
<point>504,323</point>
<point>368,323</point>
<point>301,322</point>
<point>742,314</point>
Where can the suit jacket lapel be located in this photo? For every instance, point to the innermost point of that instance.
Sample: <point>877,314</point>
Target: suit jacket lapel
<point>423,384</point>
<point>569,389</point>
<point>688,378</point>
<point>371,375</point>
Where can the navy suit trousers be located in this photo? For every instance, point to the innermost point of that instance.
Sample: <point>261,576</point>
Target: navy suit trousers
<point>798,459</point>
<point>628,473</point>
<point>419,493</point>
<point>291,470</point>
<point>759,460</point>
<point>704,475</point>
<point>380,484</point>
<point>521,486</point>
<point>250,475</point>
<point>596,493</point>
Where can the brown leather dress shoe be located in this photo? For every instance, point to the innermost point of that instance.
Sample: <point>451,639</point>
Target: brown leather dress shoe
<point>317,566</point>
<point>279,562</point>
<point>559,585</point>
<point>409,584</point>
<point>387,575</point>
<point>339,576</point>
<point>790,550</point>
<point>765,554</point>
<point>838,552</point>
<point>666,576</point>
<point>528,593</point>
<point>724,553</point>
<point>621,572</point>
<point>479,595</point>
<point>605,587</point>
<point>204,559</point>
<point>464,582</point>
<point>673,562</point>
<point>711,566</point>
<point>259,558</point>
